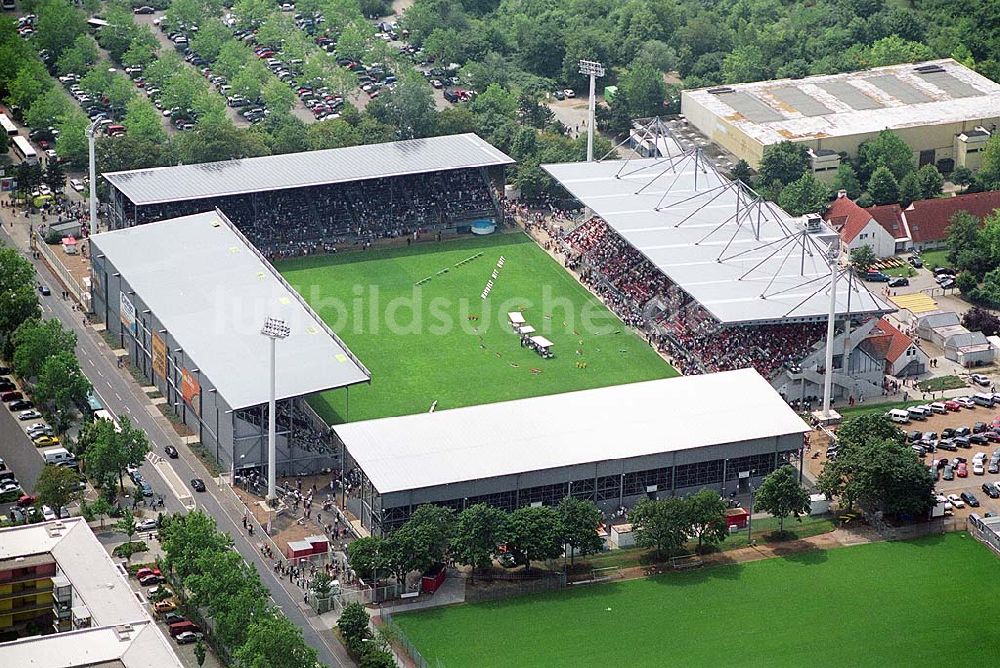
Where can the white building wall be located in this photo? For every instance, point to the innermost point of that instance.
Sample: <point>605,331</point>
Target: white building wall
<point>876,236</point>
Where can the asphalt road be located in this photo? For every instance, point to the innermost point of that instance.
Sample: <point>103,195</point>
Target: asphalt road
<point>18,452</point>
<point>121,396</point>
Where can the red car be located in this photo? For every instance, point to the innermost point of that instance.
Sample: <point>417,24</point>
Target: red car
<point>953,405</point>
<point>144,572</point>
<point>11,396</point>
<point>963,470</point>
<point>26,500</point>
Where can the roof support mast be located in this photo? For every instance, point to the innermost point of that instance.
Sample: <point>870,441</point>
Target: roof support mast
<point>834,258</point>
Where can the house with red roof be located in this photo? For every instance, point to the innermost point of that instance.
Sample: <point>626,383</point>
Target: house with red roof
<point>927,220</point>
<point>903,357</point>
<point>859,227</point>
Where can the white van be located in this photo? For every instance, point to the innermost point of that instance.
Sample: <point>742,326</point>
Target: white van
<point>983,399</point>
<point>897,415</point>
<point>916,413</point>
<point>58,456</point>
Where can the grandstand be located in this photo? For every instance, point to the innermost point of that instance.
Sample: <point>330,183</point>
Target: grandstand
<point>313,202</point>
<point>718,277</point>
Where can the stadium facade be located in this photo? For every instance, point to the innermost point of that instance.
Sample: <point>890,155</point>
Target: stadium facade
<point>733,260</point>
<point>334,196</point>
<point>612,445</point>
<point>943,110</point>
<point>186,299</point>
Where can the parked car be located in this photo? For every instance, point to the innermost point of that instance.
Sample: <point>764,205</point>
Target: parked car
<point>148,524</point>
<point>980,379</point>
<point>147,489</point>
<point>915,262</point>
<point>970,499</point>
<point>173,618</point>
<point>990,490</point>
<point>956,501</point>
<point>30,414</point>
<point>165,606</point>
<point>20,405</point>
<point>949,473</point>
<point>876,277</point>
<point>187,637</point>
<point>952,405</point>
<point>143,572</point>
<point>963,470</point>
<point>45,441</point>
<point>899,282</point>
<point>145,9</point>
<point>962,431</point>
<point>150,580</point>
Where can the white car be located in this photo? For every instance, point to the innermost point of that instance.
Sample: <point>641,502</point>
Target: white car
<point>146,525</point>
<point>38,429</point>
<point>48,513</point>
<point>980,379</point>
<point>76,184</point>
<point>956,501</point>
<point>979,457</point>
<point>569,92</point>
<point>978,469</point>
<point>964,402</point>
<point>30,414</point>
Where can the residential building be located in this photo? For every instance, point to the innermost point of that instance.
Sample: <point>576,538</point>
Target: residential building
<point>858,227</point>
<point>902,355</point>
<point>927,221</point>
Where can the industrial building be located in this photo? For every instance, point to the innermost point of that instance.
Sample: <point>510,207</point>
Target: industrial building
<point>186,300</point>
<point>943,110</point>
<point>69,604</point>
<point>612,445</point>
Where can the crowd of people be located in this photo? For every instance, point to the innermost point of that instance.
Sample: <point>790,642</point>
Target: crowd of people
<point>307,221</point>
<point>642,296</point>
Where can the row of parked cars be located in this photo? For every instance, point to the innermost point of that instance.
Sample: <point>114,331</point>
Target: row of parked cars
<point>924,411</point>
<point>182,630</point>
<point>97,107</point>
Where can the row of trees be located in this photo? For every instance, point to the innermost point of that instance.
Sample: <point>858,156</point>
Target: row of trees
<point>355,627</point>
<point>44,355</point>
<point>202,564</point>
<point>974,249</point>
<point>476,536</point>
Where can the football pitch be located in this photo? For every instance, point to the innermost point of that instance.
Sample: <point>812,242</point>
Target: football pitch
<point>926,602</point>
<point>416,317</point>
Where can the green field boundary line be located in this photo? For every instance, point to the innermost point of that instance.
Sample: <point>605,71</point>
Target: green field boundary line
<point>469,259</point>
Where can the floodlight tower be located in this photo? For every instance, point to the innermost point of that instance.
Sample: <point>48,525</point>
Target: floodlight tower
<point>91,141</point>
<point>593,69</point>
<point>273,329</point>
<point>833,257</point>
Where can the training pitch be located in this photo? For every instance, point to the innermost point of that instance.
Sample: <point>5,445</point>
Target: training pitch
<point>416,317</point>
<point>927,602</point>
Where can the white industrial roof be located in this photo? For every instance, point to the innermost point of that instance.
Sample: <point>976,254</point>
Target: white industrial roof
<point>213,291</point>
<point>122,629</point>
<point>743,259</point>
<point>311,168</point>
<point>610,423</point>
<point>852,103</point>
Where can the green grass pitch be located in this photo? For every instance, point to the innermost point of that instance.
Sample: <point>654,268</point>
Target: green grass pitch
<point>927,602</point>
<point>440,341</point>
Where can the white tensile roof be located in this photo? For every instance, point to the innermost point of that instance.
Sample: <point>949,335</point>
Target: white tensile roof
<point>742,258</point>
<point>302,170</point>
<point>610,423</point>
<point>213,291</point>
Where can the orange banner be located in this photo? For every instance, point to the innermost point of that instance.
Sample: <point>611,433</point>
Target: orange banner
<point>159,355</point>
<point>191,391</point>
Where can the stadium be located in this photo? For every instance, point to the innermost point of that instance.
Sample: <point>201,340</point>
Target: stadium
<point>503,350</point>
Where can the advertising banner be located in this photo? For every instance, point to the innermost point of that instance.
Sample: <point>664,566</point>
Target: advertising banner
<point>191,390</point>
<point>159,355</point>
<point>127,311</point>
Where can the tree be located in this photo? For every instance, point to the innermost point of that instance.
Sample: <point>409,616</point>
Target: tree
<point>58,25</point>
<point>454,121</point>
<point>865,428</point>
<point>20,302</point>
<point>909,190</point>
<point>278,97</point>
<point>989,169</point>
<point>426,536</point>
<point>186,538</point>
<point>886,150</point>
<point>741,172</point>
<point>113,452</point>
<point>46,109</point>
<point>101,508</point>
<point>781,495</point>
<point>409,107</point>
<point>353,622</point>
<point>534,534</point>
<point>480,529</point>
<point>31,81</point>
<point>208,41</point>
<point>62,385</point>
<point>80,57</point>
<point>35,341</point>
<point>966,283</point>
<point>643,89</point>
<point>706,516</point>
<point>57,486</point>
<point>127,525</point>
<point>273,640</point>
<point>72,141</point>
<point>334,133</point>
<point>368,556</point>
<point>660,524</point>
<point>978,319</point>
<point>783,163</point>
<point>862,258</point>
<point>962,176</point>
<point>200,652</point>
<point>963,235</point>
<point>805,195</point>
<point>931,182</point>
<point>579,520</point>
<point>55,176</point>
<point>846,179</point>
<point>143,121</point>
<point>893,50</point>
<point>883,186</point>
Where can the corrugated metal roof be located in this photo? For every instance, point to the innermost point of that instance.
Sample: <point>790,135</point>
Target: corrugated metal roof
<point>619,422</point>
<point>750,107</point>
<point>800,101</point>
<point>301,170</point>
<point>742,264</point>
<point>850,95</point>
<point>900,89</point>
<point>213,291</point>
<point>949,84</point>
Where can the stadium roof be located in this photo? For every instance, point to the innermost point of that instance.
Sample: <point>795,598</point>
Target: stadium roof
<point>618,422</point>
<point>740,257</point>
<point>301,170</point>
<point>852,103</point>
<point>122,632</point>
<point>212,291</point>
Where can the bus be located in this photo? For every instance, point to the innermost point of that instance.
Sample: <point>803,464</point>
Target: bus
<point>93,403</point>
<point>105,415</point>
<point>8,125</point>
<point>23,150</point>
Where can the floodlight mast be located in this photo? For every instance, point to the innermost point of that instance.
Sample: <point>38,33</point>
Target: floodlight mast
<point>273,329</point>
<point>833,257</point>
<point>91,139</point>
<point>593,69</point>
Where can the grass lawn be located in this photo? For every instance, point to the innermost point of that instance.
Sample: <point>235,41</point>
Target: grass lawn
<point>935,258</point>
<point>906,271</point>
<point>942,383</point>
<point>868,605</point>
<point>440,341</point>
<point>881,409</point>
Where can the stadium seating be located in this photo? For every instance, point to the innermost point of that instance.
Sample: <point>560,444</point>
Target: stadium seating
<point>306,221</point>
<point>646,299</point>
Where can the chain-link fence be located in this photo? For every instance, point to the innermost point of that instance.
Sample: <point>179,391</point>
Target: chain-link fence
<point>399,640</point>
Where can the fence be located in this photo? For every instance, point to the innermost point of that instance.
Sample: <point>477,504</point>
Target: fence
<point>400,642</point>
<point>508,585</point>
<point>57,268</point>
<point>984,534</point>
<point>936,526</point>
